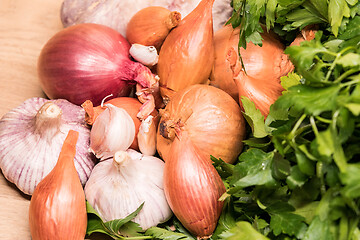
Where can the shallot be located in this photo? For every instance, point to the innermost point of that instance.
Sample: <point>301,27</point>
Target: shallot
<point>150,26</point>
<point>193,187</point>
<point>259,76</point>
<point>187,54</point>
<point>211,118</point>
<point>57,208</point>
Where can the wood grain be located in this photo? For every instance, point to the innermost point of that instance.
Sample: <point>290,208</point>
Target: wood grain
<point>25,26</point>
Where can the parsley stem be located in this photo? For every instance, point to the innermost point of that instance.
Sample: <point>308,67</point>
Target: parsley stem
<point>297,125</point>
<point>324,120</point>
<point>346,74</point>
<point>314,127</point>
<point>350,82</point>
<point>139,237</point>
<point>328,74</point>
<point>320,175</point>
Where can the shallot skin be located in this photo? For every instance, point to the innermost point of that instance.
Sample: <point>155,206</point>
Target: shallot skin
<point>88,62</point>
<point>187,54</point>
<point>57,208</point>
<point>259,80</point>
<point>193,187</point>
<point>212,119</point>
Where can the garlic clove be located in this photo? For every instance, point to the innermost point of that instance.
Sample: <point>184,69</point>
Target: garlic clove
<point>118,186</point>
<point>31,136</point>
<point>147,136</point>
<point>146,55</point>
<point>112,131</point>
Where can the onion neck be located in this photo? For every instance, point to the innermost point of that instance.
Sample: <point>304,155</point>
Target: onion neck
<point>169,129</point>
<point>48,120</point>
<point>91,112</point>
<point>173,20</point>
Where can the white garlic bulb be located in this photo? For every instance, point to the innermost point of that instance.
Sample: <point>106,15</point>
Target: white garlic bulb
<point>118,186</point>
<point>31,137</point>
<point>112,131</point>
<point>146,55</point>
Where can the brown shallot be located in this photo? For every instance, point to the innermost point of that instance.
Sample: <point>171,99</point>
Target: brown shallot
<point>57,208</point>
<point>187,54</point>
<point>193,187</point>
<point>211,117</point>
<point>151,25</point>
<point>260,80</point>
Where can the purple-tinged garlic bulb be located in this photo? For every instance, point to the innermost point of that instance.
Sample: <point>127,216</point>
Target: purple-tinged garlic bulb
<point>31,137</point>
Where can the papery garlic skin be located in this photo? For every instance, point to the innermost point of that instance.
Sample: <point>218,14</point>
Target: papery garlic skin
<point>147,136</point>
<point>115,190</point>
<point>30,149</point>
<point>146,55</point>
<point>112,131</point>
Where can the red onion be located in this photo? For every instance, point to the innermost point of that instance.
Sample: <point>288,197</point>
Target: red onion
<point>89,62</point>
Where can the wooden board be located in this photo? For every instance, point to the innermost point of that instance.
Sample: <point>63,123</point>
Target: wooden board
<point>25,26</point>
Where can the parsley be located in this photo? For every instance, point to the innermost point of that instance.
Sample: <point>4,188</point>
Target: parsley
<point>299,172</point>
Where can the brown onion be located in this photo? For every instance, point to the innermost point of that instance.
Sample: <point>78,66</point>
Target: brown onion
<point>263,67</point>
<point>150,26</point>
<point>211,118</point>
<point>193,187</point>
<point>88,62</point>
<point>187,54</point>
<point>130,105</point>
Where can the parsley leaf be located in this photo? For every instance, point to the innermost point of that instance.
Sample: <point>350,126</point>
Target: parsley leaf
<point>160,233</point>
<point>117,229</point>
<point>244,231</point>
<point>254,117</point>
<point>309,99</point>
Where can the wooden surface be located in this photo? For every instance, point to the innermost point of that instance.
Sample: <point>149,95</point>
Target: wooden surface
<point>25,26</point>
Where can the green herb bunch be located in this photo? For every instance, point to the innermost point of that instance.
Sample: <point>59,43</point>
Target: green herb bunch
<point>299,176</point>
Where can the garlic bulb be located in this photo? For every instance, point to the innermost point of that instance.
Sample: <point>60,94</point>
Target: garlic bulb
<point>31,137</point>
<point>118,186</point>
<point>146,55</point>
<point>147,136</point>
<point>112,131</point>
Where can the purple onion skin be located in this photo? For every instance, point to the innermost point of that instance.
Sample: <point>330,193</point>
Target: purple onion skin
<point>88,62</point>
